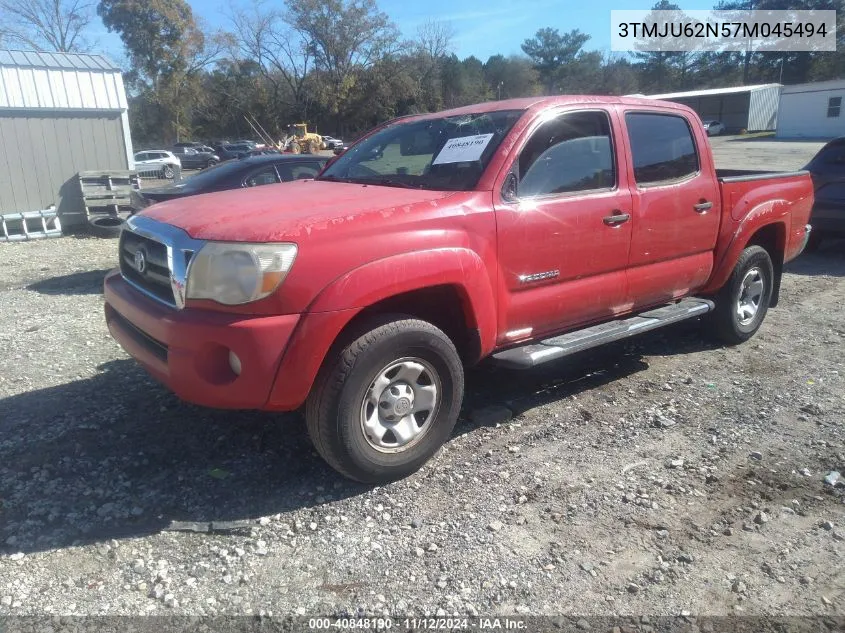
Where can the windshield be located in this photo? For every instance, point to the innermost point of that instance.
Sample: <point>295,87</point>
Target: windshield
<point>443,154</point>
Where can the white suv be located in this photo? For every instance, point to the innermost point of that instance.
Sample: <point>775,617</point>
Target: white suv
<point>157,163</point>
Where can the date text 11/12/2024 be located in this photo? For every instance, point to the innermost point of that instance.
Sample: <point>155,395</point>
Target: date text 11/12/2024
<point>419,624</point>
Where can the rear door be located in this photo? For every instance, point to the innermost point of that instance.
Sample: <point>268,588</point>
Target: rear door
<point>563,238</point>
<point>676,207</point>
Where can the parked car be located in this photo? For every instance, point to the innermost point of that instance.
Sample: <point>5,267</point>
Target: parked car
<point>523,231</point>
<point>252,144</point>
<point>330,142</point>
<point>157,162</point>
<point>195,157</point>
<point>714,128</point>
<point>235,174</point>
<point>828,171</point>
<point>233,150</point>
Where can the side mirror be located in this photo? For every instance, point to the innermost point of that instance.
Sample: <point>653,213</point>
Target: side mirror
<point>510,188</point>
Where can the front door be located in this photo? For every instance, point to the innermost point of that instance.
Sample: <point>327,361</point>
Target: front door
<point>676,206</point>
<point>564,229</point>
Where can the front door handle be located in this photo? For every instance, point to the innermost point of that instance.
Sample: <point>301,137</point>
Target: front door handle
<point>703,206</point>
<point>617,218</point>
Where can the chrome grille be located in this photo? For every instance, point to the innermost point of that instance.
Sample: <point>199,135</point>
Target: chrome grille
<point>155,279</point>
<point>161,270</point>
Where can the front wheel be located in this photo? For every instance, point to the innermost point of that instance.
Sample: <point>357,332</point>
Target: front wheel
<point>743,301</point>
<point>387,401</point>
<point>168,172</point>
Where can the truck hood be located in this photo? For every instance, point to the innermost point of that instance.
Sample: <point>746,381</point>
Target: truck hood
<point>273,213</point>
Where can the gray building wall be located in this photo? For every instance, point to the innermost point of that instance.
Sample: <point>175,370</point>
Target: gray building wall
<point>731,109</point>
<point>43,150</point>
<point>753,110</point>
<point>763,113</point>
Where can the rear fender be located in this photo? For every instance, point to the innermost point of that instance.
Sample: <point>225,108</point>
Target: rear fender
<point>771,213</point>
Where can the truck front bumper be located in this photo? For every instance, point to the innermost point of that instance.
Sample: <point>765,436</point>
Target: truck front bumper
<point>212,359</point>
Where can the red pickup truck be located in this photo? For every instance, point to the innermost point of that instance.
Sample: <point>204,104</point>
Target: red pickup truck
<point>522,230</point>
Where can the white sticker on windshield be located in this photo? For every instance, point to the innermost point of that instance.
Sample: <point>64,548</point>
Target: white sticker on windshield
<point>462,149</point>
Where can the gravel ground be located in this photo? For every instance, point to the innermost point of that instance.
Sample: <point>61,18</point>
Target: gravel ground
<point>661,476</point>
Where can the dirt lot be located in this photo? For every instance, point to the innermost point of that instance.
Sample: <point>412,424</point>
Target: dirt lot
<point>662,476</point>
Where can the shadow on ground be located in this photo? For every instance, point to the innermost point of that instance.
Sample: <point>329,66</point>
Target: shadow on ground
<point>828,260</point>
<point>89,282</point>
<point>118,456</point>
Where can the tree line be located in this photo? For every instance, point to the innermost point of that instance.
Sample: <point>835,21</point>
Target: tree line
<point>342,65</point>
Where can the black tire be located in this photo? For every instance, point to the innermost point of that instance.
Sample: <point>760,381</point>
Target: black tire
<point>738,291</point>
<point>168,172</point>
<point>108,226</point>
<point>210,163</point>
<point>337,404</point>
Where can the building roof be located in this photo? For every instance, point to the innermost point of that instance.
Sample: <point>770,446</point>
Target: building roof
<point>55,61</point>
<point>714,91</point>
<point>59,81</point>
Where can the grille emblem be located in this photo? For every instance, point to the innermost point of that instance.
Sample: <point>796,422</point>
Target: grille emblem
<point>140,260</point>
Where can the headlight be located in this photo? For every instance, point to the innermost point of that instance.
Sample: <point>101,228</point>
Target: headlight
<point>235,273</point>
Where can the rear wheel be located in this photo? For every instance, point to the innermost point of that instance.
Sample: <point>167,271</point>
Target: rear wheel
<point>743,301</point>
<point>313,147</point>
<point>387,401</point>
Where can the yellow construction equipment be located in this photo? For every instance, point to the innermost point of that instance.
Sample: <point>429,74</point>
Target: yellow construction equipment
<point>300,140</point>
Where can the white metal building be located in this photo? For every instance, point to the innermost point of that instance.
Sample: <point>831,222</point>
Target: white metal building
<point>60,114</point>
<point>814,110</point>
<point>750,108</point>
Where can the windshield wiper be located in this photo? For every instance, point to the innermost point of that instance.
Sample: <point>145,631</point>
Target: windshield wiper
<point>333,178</point>
<point>389,182</point>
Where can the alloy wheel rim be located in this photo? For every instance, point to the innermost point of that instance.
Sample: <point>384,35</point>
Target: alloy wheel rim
<point>400,404</point>
<point>750,296</point>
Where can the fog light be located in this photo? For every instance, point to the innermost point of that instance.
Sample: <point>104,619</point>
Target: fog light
<point>234,363</point>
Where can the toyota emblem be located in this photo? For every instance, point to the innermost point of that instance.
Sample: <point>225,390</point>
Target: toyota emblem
<point>140,261</point>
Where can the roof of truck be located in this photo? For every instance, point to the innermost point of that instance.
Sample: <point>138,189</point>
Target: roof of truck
<point>531,102</point>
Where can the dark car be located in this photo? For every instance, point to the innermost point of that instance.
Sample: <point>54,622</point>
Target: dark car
<point>228,151</point>
<point>196,157</point>
<point>252,171</point>
<point>828,171</point>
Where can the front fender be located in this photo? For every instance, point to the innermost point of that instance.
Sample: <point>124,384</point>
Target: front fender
<point>343,299</point>
<point>398,274</point>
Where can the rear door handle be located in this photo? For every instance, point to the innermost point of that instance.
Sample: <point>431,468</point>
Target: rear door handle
<point>617,218</point>
<point>703,206</point>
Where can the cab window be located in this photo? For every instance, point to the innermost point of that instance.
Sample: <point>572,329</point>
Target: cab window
<point>266,176</point>
<point>571,153</point>
<point>662,147</point>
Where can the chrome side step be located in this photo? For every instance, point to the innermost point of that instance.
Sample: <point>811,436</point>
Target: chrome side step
<point>557,347</point>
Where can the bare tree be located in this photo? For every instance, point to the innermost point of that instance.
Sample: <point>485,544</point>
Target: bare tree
<point>51,25</point>
<point>282,51</point>
<point>435,39</point>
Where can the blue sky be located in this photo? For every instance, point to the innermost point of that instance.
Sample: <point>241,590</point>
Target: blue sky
<point>482,27</point>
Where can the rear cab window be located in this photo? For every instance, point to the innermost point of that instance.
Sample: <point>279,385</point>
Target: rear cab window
<point>662,148</point>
